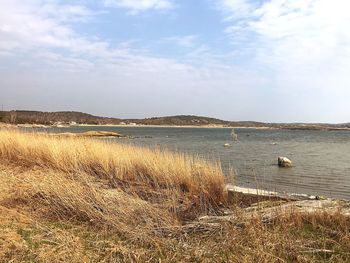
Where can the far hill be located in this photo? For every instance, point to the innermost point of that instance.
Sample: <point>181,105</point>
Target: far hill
<point>47,118</point>
<point>179,120</point>
<point>69,117</point>
<point>192,120</point>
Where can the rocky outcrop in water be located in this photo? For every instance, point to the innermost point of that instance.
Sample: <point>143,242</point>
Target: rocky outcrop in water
<point>284,162</point>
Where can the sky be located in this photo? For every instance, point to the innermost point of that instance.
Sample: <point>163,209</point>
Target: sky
<point>262,60</point>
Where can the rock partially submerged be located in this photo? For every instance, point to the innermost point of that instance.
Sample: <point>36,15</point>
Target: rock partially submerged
<point>284,162</point>
<point>244,197</point>
<point>259,194</point>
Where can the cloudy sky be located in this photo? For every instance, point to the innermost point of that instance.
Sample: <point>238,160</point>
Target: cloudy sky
<point>264,60</point>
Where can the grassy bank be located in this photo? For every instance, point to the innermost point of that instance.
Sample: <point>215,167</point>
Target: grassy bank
<point>72,199</point>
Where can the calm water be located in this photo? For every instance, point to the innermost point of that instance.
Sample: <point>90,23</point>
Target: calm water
<point>321,158</point>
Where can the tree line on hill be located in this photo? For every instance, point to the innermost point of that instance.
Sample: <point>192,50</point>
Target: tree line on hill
<point>69,117</point>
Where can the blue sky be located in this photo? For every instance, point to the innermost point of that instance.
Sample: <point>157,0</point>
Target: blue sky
<point>264,60</point>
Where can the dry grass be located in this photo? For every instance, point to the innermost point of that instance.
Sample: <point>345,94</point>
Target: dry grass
<point>82,200</point>
<point>108,183</point>
<point>117,189</point>
<point>152,175</point>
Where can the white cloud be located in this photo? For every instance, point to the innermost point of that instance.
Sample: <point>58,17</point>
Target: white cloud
<point>234,9</point>
<point>307,38</point>
<point>135,6</point>
<point>183,41</point>
<point>26,25</point>
<point>30,31</point>
<point>291,32</point>
<point>302,44</point>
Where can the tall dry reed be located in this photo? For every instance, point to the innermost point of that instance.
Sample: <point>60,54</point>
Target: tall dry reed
<point>157,176</point>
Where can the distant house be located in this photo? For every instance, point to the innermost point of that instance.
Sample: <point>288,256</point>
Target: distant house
<point>60,124</point>
<point>122,123</point>
<point>72,123</point>
<point>132,123</point>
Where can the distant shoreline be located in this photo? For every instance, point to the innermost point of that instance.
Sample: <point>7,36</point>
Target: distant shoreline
<point>304,128</point>
<point>300,128</point>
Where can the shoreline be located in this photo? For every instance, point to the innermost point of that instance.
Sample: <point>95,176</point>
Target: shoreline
<point>7,125</point>
<point>283,195</point>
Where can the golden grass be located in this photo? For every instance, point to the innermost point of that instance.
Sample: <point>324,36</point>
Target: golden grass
<point>140,171</point>
<point>127,191</point>
<point>87,177</point>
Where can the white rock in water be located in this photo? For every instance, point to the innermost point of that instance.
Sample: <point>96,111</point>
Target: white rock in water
<point>227,145</point>
<point>284,162</point>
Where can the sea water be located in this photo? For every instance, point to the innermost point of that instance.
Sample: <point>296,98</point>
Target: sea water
<point>321,159</point>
